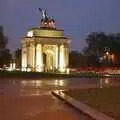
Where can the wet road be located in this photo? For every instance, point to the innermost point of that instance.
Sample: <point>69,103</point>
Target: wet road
<point>32,99</point>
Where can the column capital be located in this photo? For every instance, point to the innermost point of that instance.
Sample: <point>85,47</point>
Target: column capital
<point>27,44</point>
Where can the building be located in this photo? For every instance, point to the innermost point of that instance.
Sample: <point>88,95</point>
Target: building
<point>45,49</point>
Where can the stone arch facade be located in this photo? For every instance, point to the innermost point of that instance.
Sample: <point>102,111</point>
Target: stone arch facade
<point>49,42</point>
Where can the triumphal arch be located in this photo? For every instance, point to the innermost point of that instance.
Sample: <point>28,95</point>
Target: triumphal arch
<point>45,48</point>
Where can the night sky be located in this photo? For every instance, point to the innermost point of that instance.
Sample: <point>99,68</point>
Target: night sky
<point>77,17</point>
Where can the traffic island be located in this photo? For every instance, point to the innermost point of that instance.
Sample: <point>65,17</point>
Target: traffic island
<point>86,106</point>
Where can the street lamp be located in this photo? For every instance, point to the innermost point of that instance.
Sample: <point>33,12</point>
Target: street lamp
<point>107,53</point>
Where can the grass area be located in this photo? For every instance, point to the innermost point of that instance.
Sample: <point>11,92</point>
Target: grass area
<point>106,100</point>
<point>19,74</point>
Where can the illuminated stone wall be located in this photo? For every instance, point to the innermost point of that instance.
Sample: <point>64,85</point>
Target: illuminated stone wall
<point>45,33</point>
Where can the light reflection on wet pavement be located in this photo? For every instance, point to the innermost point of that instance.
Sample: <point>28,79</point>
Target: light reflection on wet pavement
<point>32,99</point>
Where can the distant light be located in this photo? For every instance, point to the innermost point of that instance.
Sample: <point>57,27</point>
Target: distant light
<point>68,71</point>
<point>14,65</point>
<point>107,81</point>
<point>107,75</point>
<point>28,69</point>
<point>10,69</point>
<point>30,34</point>
<point>59,83</point>
<point>107,53</point>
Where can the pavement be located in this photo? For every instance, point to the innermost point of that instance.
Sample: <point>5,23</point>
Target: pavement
<point>33,108</point>
<point>81,106</point>
<point>29,100</point>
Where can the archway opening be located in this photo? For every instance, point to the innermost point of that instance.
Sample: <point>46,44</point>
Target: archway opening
<point>48,61</point>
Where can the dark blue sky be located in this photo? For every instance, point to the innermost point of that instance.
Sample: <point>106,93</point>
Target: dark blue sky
<point>77,17</point>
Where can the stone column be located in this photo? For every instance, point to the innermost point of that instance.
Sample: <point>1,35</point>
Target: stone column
<point>42,46</point>
<point>24,57</point>
<point>35,57</point>
<point>67,57</point>
<point>61,59</point>
<point>28,56</point>
<point>58,59</point>
<point>39,58</point>
<point>64,60</point>
<point>32,54</point>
